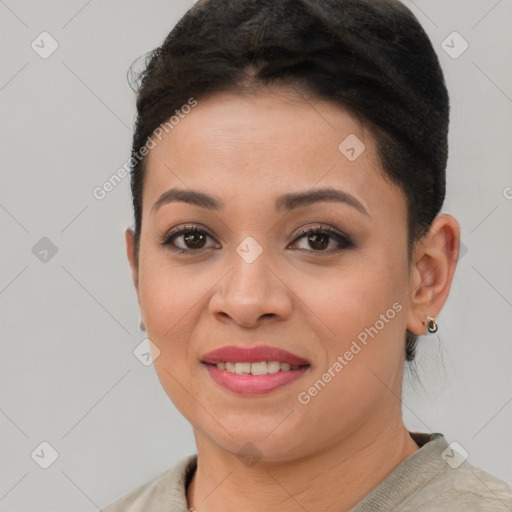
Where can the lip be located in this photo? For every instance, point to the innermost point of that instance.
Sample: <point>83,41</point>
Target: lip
<point>254,354</point>
<point>253,384</point>
<point>244,384</point>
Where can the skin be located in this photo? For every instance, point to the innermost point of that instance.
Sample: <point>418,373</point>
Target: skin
<point>247,150</point>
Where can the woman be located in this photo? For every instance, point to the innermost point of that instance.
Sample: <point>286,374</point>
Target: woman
<point>288,170</point>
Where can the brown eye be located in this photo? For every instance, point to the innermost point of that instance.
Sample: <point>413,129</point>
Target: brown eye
<point>318,239</point>
<point>190,239</point>
<point>195,239</point>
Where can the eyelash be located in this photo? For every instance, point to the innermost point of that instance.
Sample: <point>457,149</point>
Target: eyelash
<point>344,240</point>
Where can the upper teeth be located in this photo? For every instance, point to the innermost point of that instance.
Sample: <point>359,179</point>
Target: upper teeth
<point>259,368</point>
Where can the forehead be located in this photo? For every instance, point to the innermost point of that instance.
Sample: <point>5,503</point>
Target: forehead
<point>264,144</point>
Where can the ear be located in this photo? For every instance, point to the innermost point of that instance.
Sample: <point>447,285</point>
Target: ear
<point>132,257</point>
<point>434,263</point>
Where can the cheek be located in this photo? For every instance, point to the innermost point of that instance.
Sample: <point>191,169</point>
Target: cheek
<point>167,293</point>
<point>346,302</point>
<point>170,300</point>
<point>363,324</point>
<point>362,321</point>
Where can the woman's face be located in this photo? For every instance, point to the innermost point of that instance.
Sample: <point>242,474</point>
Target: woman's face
<point>251,278</point>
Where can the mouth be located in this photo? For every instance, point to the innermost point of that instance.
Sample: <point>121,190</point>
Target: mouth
<point>254,370</point>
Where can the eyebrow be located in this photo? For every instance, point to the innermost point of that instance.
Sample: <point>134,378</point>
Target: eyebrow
<point>284,202</point>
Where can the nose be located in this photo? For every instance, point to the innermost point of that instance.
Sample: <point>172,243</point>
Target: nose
<point>252,292</point>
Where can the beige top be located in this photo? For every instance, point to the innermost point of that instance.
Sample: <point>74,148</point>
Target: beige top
<point>435,478</point>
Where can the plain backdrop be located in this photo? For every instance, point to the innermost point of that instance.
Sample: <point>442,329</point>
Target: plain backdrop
<point>69,316</point>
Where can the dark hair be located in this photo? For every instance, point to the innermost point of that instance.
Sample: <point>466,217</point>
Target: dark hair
<point>370,56</point>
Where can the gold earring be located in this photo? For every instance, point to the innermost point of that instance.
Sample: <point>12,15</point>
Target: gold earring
<point>431,324</point>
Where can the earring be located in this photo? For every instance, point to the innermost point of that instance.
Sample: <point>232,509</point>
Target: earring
<point>431,324</point>
<point>142,327</point>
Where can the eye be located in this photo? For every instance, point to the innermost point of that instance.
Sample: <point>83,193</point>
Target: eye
<point>191,237</point>
<point>318,238</point>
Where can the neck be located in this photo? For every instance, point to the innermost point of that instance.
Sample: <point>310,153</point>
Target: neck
<point>334,479</point>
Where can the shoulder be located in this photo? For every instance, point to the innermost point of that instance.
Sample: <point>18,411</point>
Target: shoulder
<point>438,478</point>
<point>165,493</point>
<point>465,488</point>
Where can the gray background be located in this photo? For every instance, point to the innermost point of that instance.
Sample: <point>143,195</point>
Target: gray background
<point>69,322</point>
